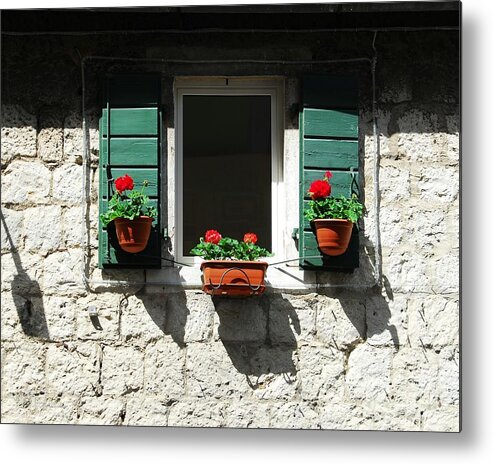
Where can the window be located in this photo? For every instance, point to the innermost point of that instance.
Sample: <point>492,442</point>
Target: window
<point>225,161</point>
<point>228,161</point>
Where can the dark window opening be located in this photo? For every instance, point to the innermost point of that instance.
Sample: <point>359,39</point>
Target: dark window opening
<point>226,167</point>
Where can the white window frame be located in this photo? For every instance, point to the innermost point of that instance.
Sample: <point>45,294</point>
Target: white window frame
<point>273,87</point>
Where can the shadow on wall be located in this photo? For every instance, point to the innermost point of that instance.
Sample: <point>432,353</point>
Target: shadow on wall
<point>368,310</point>
<point>27,296</point>
<point>258,335</point>
<point>168,311</point>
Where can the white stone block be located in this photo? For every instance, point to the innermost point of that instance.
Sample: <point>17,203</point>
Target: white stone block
<point>370,416</point>
<point>427,229</point>
<point>407,272</point>
<point>144,411</point>
<point>22,273</point>
<point>293,415</point>
<point>26,183</point>
<point>101,411</point>
<point>23,368</point>
<point>340,321</point>
<point>446,273</point>
<point>43,229</point>
<point>42,409</point>
<point>387,320</point>
<point>54,410</point>
<point>453,148</point>
<point>392,227</point>
<point>395,184</point>
<point>438,184</point>
<point>242,320</point>
<point>434,321</point>
<point>190,316</point>
<point>122,370</point>
<point>197,414</point>
<point>272,372</point>
<point>368,373</point>
<point>60,317</point>
<point>11,232</point>
<point>73,227</point>
<point>211,373</point>
<point>73,368</point>
<point>18,133</point>
<point>73,136</point>
<point>164,367</point>
<point>50,140</point>
<point>445,419</point>
<point>143,318</point>
<point>67,184</point>
<point>321,370</point>
<point>63,273</point>
<point>10,321</point>
<point>448,386</point>
<point>247,414</point>
<point>419,136</point>
<point>106,325</point>
<point>414,375</point>
<point>289,324</point>
<point>341,416</point>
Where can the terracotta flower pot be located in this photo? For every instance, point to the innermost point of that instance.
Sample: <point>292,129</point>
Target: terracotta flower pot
<point>133,235</point>
<point>233,278</point>
<point>333,235</point>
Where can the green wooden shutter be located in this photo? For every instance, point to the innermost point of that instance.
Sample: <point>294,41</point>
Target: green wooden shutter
<point>129,143</point>
<point>328,141</point>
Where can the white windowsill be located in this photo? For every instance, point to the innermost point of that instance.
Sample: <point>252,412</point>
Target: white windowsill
<point>282,277</point>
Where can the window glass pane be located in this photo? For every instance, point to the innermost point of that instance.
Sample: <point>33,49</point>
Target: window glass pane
<point>226,167</point>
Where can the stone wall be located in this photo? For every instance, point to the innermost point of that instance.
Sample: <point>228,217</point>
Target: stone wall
<point>338,358</point>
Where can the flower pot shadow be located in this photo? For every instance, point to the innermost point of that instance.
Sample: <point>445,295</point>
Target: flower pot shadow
<point>169,312</point>
<point>28,301</point>
<point>259,336</point>
<point>370,313</point>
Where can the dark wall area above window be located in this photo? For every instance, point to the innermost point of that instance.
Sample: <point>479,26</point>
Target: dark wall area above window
<point>293,17</point>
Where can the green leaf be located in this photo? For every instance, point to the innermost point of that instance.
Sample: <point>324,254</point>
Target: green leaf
<point>335,208</point>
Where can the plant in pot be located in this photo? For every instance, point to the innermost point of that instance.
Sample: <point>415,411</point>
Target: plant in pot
<point>131,213</point>
<point>231,267</point>
<point>331,218</point>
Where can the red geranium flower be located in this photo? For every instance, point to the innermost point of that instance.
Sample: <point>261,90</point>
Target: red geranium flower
<point>212,236</point>
<point>328,175</point>
<point>124,183</point>
<point>250,237</point>
<point>319,189</point>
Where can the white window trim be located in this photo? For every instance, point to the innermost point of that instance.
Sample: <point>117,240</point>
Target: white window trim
<point>273,87</point>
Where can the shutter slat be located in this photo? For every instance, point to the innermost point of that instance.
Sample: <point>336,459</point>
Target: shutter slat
<point>131,121</point>
<point>331,154</point>
<point>331,123</point>
<point>132,151</point>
